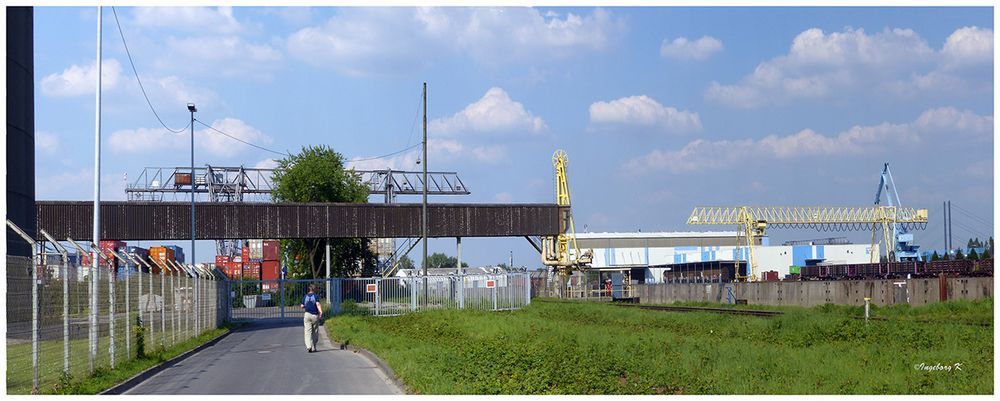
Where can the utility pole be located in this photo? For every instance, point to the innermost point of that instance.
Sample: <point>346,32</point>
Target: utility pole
<point>95,265</point>
<point>423,220</point>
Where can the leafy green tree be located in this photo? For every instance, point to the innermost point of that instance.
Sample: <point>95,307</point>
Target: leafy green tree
<point>405,262</point>
<point>439,260</point>
<point>946,256</point>
<point>935,256</point>
<point>987,255</point>
<point>317,174</point>
<point>990,248</point>
<point>973,255</point>
<point>959,255</point>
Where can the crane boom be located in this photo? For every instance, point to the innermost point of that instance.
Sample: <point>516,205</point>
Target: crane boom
<point>754,220</point>
<point>807,215</point>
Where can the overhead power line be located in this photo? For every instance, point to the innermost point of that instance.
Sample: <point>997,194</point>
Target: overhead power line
<point>136,72</point>
<point>240,140</point>
<point>386,155</point>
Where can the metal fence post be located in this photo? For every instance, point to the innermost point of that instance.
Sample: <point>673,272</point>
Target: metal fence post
<point>111,310</point>
<point>378,298</point>
<point>36,258</point>
<point>64,276</point>
<point>173,307</point>
<point>197,285</point>
<point>527,289</point>
<point>34,321</point>
<point>495,283</point>
<point>413,294</point>
<point>281,290</point>
<point>163,307</point>
<point>461,291</point>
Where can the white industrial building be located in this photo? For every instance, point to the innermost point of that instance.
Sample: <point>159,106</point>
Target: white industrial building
<point>637,250</point>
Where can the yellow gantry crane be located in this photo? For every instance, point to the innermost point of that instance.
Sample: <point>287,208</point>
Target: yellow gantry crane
<point>752,223</point>
<point>562,252</point>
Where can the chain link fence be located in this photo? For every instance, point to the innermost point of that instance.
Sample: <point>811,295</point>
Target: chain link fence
<point>53,336</point>
<point>392,296</point>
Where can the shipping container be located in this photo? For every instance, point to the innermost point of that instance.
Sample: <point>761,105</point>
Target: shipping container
<point>270,250</point>
<point>256,250</point>
<point>222,261</point>
<point>178,253</point>
<point>794,269</point>
<point>245,254</point>
<point>269,270</point>
<point>182,178</point>
<point>161,255</point>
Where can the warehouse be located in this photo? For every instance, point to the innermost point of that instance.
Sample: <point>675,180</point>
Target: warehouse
<point>661,249</point>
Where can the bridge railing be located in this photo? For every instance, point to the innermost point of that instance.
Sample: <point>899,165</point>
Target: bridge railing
<point>65,319</point>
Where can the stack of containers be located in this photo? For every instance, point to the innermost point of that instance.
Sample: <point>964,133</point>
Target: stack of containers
<point>160,254</point>
<point>269,266</point>
<point>222,262</point>
<point>138,253</point>
<point>178,253</point>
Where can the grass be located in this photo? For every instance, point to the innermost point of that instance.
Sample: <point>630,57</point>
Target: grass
<point>590,348</point>
<point>79,381</point>
<point>962,311</point>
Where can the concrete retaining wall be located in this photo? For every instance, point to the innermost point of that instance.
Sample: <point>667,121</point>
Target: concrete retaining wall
<point>811,293</point>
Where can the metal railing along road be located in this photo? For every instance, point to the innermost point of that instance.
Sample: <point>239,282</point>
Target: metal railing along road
<point>392,296</point>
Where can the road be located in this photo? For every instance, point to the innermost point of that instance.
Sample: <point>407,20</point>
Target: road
<point>269,357</point>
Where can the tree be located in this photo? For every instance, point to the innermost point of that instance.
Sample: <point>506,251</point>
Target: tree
<point>991,245</point>
<point>439,260</point>
<point>959,255</point>
<point>405,262</point>
<point>987,255</point>
<point>946,256</point>
<point>973,255</point>
<point>935,256</point>
<point>317,174</point>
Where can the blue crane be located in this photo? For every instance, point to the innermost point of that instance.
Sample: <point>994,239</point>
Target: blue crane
<point>904,249</point>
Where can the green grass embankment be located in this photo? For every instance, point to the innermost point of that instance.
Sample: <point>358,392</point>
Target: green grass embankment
<point>588,348</point>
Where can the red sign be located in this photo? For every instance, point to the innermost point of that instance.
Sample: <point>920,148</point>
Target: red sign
<point>371,288</point>
<point>491,283</point>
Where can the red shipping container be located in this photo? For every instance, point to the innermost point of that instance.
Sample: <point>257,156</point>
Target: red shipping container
<point>108,246</point>
<point>271,250</point>
<point>222,261</point>
<point>269,270</point>
<point>246,254</point>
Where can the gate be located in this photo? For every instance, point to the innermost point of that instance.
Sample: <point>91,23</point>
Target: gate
<point>276,299</point>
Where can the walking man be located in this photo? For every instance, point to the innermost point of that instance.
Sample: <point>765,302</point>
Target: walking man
<point>313,312</point>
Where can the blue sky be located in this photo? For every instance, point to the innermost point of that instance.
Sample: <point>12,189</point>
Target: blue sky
<point>660,109</point>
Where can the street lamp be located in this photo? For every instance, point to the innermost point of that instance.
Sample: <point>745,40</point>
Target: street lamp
<point>197,285</point>
<point>192,109</point>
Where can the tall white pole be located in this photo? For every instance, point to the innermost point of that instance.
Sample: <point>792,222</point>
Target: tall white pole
<point>97,199</point>
<point>423,219</point>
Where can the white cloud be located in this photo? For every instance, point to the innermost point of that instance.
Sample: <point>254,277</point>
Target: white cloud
<point>193,19</point>
<point>933,124</point>
<point>219,55</point>
<point>76,80</point>
<point>820,64</point>
<point>495,112</point>
<point>684,49</point>
<point>644,111</point>
<point>46,142</point>
<point>149,140</point>
<point>268,163</point>
<point>969,46</point>
<point>438,150</point>
<point>79,185</point>
<point>363,41</point>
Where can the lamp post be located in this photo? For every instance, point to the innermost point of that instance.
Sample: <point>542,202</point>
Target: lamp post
<point>192,109</point>
<point>197,284</point>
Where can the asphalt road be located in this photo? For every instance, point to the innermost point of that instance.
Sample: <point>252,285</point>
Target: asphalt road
<point>269,357</point>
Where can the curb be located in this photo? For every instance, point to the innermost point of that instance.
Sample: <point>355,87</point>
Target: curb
<point>122,387</point>
<point>371,357</point>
